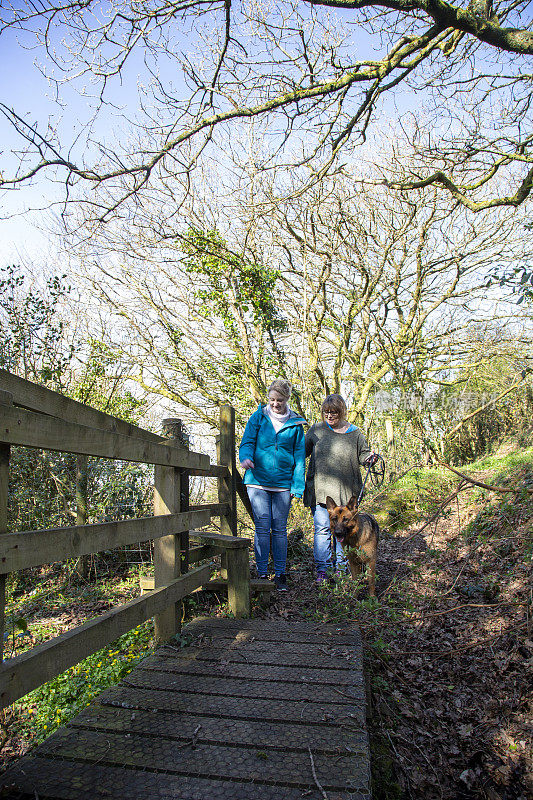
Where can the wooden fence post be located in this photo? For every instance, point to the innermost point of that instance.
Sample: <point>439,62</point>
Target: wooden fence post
<point>227,490</point>
<point>221,493</point>
<point>235,562</point>
<point>238,565</point>
<point>82,565</point>
<point>167,549</point>
<point>184,504</point>
<point>6,399</point>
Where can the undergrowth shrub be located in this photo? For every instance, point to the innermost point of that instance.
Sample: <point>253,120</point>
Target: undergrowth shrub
<point>418,492</point>
<point>56,702</point>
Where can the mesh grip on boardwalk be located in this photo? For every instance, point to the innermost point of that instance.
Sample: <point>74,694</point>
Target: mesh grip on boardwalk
<point>236,715</point>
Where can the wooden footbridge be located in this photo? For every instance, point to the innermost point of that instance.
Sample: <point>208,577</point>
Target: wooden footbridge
<point>248,709</point>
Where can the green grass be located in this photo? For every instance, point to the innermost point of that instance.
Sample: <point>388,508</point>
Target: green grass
<point>500,514</point>
<point>417,493</point>
<point>40,605</point>
<point>37,602</point>
<point>504,463</point>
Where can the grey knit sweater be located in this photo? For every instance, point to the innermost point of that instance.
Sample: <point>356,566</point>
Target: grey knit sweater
<point>334,464</point>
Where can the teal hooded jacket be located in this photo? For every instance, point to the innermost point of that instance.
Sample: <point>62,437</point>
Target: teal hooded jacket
<point>279,458</point>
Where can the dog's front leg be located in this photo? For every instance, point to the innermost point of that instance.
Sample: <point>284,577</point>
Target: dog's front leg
<point>355,565</point>
<point>371,569</point>
<point>370,561</point>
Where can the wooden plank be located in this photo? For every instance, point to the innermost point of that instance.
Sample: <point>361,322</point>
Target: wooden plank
<point>147,584</point>
<point>37,398</point>
<point>214,471</point>
<point>216,509</point>
<point>256,585</point>
<point>227,542</point>
<point>197,554</point>
<point>185,495</point>
<point>29,429</point>
<point>33,548</point>
<point>20,675</point>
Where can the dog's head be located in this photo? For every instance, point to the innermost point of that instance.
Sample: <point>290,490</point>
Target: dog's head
<point>343,519</point>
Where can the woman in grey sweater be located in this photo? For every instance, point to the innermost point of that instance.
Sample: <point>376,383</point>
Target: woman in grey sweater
<point>337,449</point>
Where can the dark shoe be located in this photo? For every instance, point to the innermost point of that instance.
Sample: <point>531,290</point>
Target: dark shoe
<point>281,582</point>
<point>320,578</point>
<point>341,573</point>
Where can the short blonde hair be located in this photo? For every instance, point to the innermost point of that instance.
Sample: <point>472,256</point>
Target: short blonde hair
<point>336,403</point>
<point>283,387</point>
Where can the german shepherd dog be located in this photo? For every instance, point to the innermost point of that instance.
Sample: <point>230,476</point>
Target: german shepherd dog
<point>358,534</point>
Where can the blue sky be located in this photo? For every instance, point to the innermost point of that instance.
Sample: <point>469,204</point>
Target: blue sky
<point>24,227</point>
<point>29,93</point>
<point>24,88</point>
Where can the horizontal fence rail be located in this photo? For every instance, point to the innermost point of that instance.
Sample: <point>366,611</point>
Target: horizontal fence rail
<point>214,471</point>
<point>202,552</point>
<point>33,548</point>
<point>36,417</point>
<point>20,675</point>
<point>30,429</point>
<point>222,471</point>
<point>37,398</point>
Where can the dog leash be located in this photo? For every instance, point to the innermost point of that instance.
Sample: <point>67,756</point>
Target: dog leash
<point>377,472</point>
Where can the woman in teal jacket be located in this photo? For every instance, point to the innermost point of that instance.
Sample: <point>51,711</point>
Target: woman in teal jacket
<point>272,452</point>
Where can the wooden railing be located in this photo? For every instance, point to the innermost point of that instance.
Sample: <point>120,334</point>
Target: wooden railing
<point>32,416</point>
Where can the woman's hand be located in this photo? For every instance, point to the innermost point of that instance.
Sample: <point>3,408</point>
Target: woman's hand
<point>247,464</point>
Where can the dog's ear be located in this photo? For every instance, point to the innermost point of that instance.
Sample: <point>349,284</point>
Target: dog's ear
<point>352,503</point>
<point>330,503</point>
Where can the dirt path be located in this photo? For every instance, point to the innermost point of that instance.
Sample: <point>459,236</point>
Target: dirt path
<point>449,654</point>
<point>449,650</point>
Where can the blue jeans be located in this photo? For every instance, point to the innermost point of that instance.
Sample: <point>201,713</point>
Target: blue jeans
<point>271,510</point>
<point>322,543</point>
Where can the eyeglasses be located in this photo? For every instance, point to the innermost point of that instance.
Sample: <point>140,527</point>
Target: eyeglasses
<point>331,413</point>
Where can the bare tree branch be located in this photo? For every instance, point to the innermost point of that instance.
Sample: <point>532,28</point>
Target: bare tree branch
<point>211,67</point>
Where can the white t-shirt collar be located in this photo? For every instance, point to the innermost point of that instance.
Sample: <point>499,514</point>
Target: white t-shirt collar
<point>277,420</point>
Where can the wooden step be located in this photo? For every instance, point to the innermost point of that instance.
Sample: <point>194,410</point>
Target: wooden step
<point>216,585</point>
